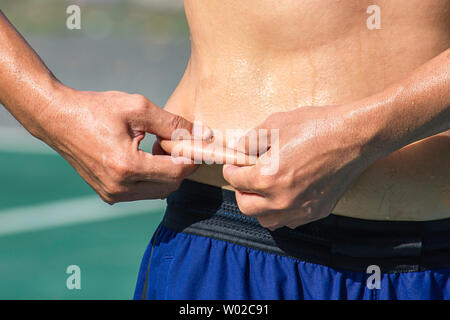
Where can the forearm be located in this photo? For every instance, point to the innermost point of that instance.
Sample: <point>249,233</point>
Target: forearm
<point>27,87</point>
<point>410,110</point>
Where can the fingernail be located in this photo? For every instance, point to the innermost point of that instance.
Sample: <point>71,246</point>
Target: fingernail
<point>202,132</point>
<point>207,133</point>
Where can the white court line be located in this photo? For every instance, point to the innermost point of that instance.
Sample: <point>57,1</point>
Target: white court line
<point>58,213</point>
<point>70,212</point>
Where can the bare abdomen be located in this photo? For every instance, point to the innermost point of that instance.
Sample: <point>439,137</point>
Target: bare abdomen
<point>241,72</point>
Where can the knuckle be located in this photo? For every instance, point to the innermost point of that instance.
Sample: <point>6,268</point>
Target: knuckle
<point>121,169</point>
<point>140,102</point>
<point>264,183</point>
<point>288,180</point>
<point>175,122</point>
<point>140,99</point>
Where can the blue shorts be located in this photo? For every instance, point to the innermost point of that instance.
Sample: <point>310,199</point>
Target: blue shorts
<point>205,248</point>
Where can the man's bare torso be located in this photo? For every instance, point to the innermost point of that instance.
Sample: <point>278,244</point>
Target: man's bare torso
<point>253,58</point>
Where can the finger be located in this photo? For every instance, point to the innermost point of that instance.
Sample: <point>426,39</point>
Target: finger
<point>163,123</point>
<point>252,204</point>
<point>255,142</point>
<point>162,168</point>
<point>241,178</point>
<point>269,163</point>
<point>208,152</point>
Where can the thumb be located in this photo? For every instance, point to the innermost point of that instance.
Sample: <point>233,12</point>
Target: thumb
<point>163,124</point>
<point>254,142</point>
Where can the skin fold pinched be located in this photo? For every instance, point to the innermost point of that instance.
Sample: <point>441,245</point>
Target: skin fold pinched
<point>206,152</point>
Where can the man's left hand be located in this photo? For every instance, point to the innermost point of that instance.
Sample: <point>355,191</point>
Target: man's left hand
<point>322,150</point>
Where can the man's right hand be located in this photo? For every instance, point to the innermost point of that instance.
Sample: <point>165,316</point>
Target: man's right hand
<point>99,133</point>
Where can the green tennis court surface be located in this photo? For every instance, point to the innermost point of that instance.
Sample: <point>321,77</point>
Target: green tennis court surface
<point>50,219</point>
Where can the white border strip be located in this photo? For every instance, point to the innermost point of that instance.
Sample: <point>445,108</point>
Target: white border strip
<point>70,212</point>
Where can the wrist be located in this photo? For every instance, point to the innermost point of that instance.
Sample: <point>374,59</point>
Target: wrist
<point>52,95</point>
<point>369,122</point>
<point>48,108</point>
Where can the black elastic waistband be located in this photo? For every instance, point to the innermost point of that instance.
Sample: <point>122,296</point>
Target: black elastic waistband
<point>336,241</point>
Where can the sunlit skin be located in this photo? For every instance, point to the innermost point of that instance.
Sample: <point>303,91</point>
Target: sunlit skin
<point>362,114</point>
<point>278,65</point>
<point>98,133</point>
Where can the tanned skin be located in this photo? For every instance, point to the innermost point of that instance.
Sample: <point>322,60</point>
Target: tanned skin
<point>336,90</point>
<point>348,102</point>
<point>98,133</point>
